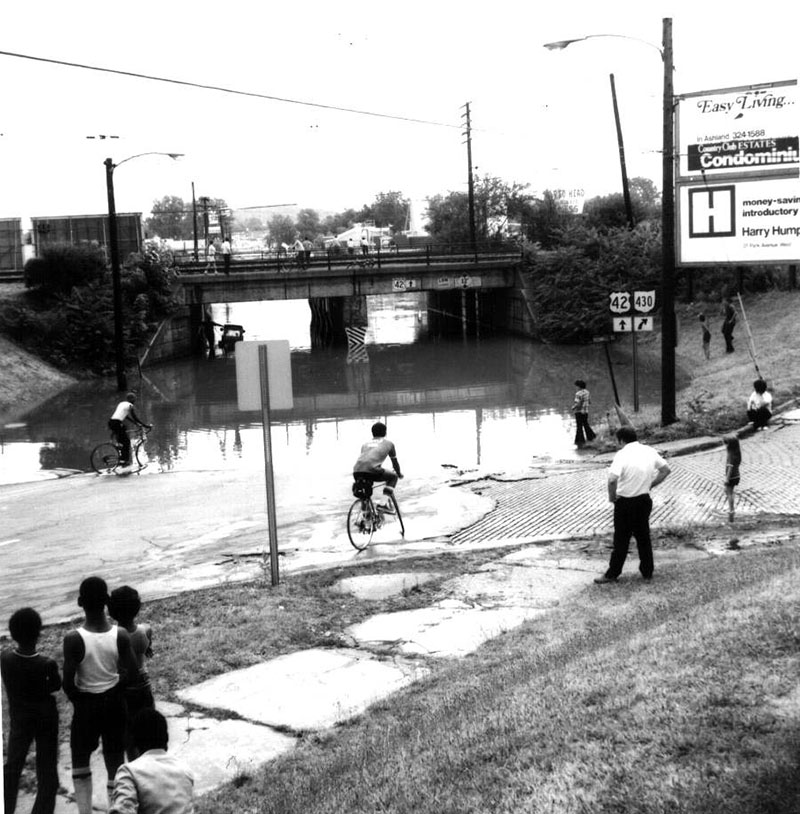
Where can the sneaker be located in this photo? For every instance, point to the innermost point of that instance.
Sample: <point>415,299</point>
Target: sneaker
<point>604,579</point>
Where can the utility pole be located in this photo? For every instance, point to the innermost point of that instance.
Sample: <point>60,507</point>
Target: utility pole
<point>204,202</point>
<point>119,338</point>
<point>470,184</point>
<point>668,332</point>
<point>626,193</point>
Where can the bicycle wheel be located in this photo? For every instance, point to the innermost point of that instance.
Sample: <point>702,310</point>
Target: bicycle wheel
<point>399,516</point>
<point>104,458</point>
<point>137,453</point>
<point>361,522</point>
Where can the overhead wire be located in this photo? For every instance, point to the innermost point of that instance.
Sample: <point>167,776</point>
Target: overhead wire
<point>222,89</point>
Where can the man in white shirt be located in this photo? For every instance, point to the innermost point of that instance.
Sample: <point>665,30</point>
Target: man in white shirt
<point>635,470</point>
<point>124,412</point>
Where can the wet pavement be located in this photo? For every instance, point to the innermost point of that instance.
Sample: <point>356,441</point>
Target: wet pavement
<point>224,722</point>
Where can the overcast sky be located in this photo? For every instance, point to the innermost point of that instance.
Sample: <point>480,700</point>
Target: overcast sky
<point>542,118</point>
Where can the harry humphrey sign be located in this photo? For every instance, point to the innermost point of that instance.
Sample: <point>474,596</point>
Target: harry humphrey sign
<point>738,191</point>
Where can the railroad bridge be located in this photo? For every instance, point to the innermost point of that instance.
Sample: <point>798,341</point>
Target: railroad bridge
<point>466,292</point>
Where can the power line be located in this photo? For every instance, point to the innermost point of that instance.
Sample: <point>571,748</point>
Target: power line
<point>222,89</point>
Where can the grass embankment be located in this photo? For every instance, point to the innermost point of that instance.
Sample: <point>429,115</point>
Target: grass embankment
<point>678,696</point>
<point>714,400</point>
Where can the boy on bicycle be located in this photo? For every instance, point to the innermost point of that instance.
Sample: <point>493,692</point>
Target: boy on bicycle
<point>370,463</point>
<point>116,424</point>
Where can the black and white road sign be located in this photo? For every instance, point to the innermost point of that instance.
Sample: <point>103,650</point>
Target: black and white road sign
<point>619,302</point>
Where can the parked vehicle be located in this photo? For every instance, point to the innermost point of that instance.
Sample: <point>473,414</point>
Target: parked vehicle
<point>231,334</point>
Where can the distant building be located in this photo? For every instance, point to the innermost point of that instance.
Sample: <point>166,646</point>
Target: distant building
<point>376,235</point>
<point>90,230</point>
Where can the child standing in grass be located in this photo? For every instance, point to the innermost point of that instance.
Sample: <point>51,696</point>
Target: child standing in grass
<point>706,337</point>
<point>732,464</point>
<point>124,605</point>
<point>30,680</point>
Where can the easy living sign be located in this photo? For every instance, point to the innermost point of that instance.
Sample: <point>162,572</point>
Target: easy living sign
<point>738,192</point>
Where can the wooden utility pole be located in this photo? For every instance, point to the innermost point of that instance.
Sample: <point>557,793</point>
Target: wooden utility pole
<point>626,193</point>
<point>470,182</point>
<point>668,332</point>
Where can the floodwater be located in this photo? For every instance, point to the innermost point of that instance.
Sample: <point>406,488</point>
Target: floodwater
<point>491,404</point>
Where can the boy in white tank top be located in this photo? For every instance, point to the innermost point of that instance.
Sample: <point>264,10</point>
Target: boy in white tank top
<point>97,657</point>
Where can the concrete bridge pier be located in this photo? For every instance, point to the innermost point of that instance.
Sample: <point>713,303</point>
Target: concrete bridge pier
<point>466,312</point>
<point>330,315</point>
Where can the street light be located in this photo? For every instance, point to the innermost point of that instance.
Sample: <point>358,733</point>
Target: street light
<point>119,346</point>
<point>668,332</point>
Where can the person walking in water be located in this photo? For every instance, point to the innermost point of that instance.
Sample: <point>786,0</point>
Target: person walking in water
<point>580,408</point>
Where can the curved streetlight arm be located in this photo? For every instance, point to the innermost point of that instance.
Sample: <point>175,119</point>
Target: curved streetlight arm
<point>560,45</point>
<point>109,163</point>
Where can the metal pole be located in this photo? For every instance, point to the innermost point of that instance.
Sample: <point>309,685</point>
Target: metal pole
<point>119,346</point>
<point>470,182</point>
<point>668,333</point>
<point>611,374</point>
<point>263,368</point>
<point>194,222</point>
<point>635,366</point>
<point>626,194</point>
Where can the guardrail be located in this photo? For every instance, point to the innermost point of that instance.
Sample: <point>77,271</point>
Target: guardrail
<point>338,259</point>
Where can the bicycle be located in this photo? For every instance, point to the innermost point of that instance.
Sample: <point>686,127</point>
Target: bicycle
<point>365,518</point>
<point>105,457</point>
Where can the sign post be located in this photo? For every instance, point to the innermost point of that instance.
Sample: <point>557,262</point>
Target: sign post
<point>269,474</point>
<point>633,321</point>
<point>264,381</point>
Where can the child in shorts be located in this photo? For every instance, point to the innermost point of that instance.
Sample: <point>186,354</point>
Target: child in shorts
<point>30,680</point>
<point>732,463</point>
<point>124,605</point>
<point>97,660</point>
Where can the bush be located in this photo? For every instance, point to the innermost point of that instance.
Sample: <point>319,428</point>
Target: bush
<point>74,328</point>
<point>570,286</point>
<point>62,266</point>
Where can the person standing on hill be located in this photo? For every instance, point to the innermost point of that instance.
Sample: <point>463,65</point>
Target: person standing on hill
<point>728,323</point>
<point>733,460</point>
<point>635,470</point>
<point>706,337</point>
<point>580,408</point>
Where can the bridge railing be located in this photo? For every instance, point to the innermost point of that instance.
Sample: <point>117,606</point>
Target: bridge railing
<point>337,257</point>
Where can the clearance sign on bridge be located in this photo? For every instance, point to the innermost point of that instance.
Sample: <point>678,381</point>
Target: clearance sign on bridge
<point>737,185</point>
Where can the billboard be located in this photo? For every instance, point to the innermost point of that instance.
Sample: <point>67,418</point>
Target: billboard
<point>737,175</point>
<point>739,221</point>
<point>740,130</point>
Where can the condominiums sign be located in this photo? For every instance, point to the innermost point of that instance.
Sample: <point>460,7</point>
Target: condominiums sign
<point>737,180</point>
<point>742,130</point>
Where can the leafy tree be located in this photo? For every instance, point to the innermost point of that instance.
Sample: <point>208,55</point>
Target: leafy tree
<point>340,222</point>
<point>608,211</point>
<point>308,224</point>
<point>253,224</point>
<point>170,218</point>
<point>545,220</point>
<point>390,209</point>
<point>281,229</point>
<point>448,218</point>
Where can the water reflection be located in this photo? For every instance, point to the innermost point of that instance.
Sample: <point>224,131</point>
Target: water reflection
<point>494,403</point>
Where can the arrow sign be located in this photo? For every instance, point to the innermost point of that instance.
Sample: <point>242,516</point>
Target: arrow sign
<point>643,323</point>
<point>621,324</point>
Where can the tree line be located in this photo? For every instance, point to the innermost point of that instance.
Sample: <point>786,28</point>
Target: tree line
<point>501,209</point>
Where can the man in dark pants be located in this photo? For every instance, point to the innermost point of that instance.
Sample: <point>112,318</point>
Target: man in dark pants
<point>635,470</point>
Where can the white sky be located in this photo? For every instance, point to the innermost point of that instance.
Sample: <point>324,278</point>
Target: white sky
<point>539,117</point>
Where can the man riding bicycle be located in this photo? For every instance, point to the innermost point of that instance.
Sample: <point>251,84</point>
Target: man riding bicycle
<point>116,424</point>
<point>369,465</point>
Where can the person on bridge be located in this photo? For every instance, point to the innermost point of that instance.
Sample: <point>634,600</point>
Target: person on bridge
<point>370,463</point>
<point>635,470</point>
<point>225,248</point>
<point>364,244</point>
<point>580,407</point>
<point>211,257</point>
<point>125,412</point>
